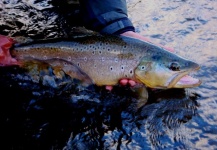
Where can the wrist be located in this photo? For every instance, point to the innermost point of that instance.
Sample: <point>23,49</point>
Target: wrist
<point>135,35</point>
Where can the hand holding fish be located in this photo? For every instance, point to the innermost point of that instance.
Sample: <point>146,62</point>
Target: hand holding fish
<point>140,37</point>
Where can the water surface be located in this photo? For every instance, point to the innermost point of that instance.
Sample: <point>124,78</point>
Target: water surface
<point>190,28</point>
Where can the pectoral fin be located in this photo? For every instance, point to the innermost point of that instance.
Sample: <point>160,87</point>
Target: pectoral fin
<point>141,94</point>
<point>70,69</point>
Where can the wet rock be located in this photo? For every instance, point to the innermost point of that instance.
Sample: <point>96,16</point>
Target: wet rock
<point>38,19</point>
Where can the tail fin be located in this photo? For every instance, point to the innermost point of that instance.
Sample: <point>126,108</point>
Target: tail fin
<point>5,57</point>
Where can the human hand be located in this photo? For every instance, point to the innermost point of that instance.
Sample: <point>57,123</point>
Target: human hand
<point>140,37</point>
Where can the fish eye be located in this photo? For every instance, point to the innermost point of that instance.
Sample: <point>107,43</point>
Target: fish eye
<point>174,66</point>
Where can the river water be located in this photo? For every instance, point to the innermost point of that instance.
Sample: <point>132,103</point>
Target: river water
<point>95,119</point>
<point>190,28</point>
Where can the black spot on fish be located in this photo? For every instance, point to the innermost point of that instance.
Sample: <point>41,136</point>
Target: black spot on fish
<point>142,67</point>
<point>93,52</point>
<point>78,64</point>
<point>131,71</point>
<point>111,68</point>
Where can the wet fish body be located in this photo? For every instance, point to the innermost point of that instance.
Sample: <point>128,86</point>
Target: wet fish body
<point>107,59</point>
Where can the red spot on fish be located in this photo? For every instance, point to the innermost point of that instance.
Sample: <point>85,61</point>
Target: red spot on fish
<point>5,57</point>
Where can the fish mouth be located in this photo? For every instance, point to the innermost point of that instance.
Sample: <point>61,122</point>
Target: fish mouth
<point>184,80</point>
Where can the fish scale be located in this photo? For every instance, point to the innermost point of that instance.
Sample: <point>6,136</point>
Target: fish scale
<point>107,59</point>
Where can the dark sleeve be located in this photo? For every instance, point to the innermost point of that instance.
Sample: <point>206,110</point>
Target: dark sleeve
<point>106,16</point>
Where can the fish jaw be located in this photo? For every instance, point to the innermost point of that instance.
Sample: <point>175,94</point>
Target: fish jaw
<point>154,75</point>
<point>184,80</point>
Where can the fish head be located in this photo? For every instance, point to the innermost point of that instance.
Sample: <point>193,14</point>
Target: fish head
<point>166,70</point>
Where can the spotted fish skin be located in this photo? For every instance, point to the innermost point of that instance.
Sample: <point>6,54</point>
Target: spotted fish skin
<point>105,59</point>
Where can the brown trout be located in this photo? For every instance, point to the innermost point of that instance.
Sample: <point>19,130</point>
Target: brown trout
<point>107,59</point>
